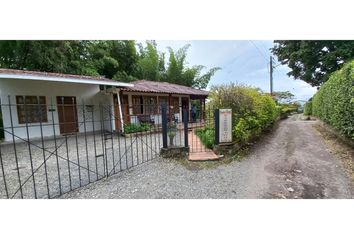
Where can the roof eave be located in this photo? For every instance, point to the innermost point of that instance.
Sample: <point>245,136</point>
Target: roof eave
<point>67,80</point>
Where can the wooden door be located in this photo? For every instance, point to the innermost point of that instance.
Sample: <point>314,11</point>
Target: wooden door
<point>125,107</point>
<point>67,114</point>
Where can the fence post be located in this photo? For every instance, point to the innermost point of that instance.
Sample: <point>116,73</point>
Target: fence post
<point>164,125</point>
<point>185,123</point>
<point>217,130</point>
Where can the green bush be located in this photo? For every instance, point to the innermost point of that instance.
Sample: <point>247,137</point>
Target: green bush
<point>334,101</point>
<point>206,136</point>
<point>133,128</point>
<point>287,108</point>
<point>253,111</point>
<point>1,127</point>
<point>308,108</point>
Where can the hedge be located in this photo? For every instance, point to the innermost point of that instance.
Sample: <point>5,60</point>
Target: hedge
<point>134,128</point>
<point>334,102</point>
<point>252,111</point>
<point>308,108</point>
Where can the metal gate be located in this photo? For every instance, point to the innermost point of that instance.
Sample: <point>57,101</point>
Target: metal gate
<point>39,162</point>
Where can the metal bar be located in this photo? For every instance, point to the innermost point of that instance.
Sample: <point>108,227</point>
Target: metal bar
<point>3,173</point>
<point>29,148</point>
<point>217,130</point>
<point>14,146</point>
<point>142,148</point>
<point>119,131</point>
<point>85,136</point>
<point>185,127</point>
<point>94,142</point>
<point>103,140</point>
<point>55,145</point>
<point>111,114</point>
<point>66,143</point>
<point>164,125</point>
<point>51,153</point>
<point>150,133</point>
<point>131,152</point>
<point>125,143</point>
<point>43,153</point>
<point>125,153</point>
<point>77,146</point>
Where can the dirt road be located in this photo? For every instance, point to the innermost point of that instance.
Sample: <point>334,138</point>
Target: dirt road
<point>292,162</point>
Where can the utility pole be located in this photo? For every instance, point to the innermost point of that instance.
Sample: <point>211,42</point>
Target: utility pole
<point>271,75</point>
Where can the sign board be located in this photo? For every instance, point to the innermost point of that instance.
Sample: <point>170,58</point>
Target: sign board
<point>225,125</point>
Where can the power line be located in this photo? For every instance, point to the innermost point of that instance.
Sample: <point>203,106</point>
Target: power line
<point>265,58</point>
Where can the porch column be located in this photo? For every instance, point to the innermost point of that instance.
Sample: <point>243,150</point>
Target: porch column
<point>120,111</point>
<point>130,105</point>
<point>189,107</point>
<point>180,108</point>
<point>169,106</point>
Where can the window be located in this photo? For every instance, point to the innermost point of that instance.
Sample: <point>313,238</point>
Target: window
<point>31,109</point>
<point>150,104</point>
<point>137,104</point>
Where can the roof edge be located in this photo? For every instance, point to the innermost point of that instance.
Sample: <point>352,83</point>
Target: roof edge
<point>107,82</point>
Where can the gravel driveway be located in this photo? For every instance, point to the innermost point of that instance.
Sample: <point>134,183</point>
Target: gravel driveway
<point>292,162</point>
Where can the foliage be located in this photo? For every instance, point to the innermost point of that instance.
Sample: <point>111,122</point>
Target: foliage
<point>206,136</point>
<point>253,111</point>
<point>313,61</point>
<point>133,128</point>
<point>172,129</point>
<point>334,104</point>
<point>178,72</point>
<point>118,60</point>
<point>308,108</point>
<point>151,62</point>
<point>288,108</point>
<point>282,97</point>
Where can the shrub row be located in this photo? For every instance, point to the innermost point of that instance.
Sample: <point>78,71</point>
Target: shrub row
<point>253,111</point>
<point>308,108</point>
<point>133,128</point>
<point>334,102</point>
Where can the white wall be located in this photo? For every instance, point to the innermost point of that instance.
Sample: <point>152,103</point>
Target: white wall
<point>88,93</point>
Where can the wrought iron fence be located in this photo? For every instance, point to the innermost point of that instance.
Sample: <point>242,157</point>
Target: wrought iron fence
<point>51,149</point>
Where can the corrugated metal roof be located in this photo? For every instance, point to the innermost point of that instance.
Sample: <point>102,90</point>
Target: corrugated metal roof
<point>59,77</point>
<point>164,87</point>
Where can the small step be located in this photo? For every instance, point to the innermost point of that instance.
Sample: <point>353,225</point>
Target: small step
<point>203,156</point>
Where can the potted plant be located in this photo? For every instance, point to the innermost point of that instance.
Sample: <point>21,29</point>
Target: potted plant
<point>172,131</point>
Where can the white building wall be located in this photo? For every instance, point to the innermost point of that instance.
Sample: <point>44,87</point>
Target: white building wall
<point>85,93</point>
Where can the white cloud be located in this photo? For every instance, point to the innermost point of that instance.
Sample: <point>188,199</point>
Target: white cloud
<point>244,62</point>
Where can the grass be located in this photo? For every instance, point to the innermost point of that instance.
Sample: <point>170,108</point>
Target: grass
<point>206,136</point>
<point>338,147</point>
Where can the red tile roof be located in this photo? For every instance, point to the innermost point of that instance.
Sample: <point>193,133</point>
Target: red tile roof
<point>56,75</point>
<point>164,87</point>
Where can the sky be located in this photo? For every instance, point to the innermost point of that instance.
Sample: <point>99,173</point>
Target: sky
<point>245,62</point>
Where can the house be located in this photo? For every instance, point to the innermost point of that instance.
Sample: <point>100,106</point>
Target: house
<point>36,104</point>
<point>142,101</point>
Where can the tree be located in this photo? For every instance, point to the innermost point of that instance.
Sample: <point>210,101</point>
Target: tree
<point>313,61</point>
<point>178,72</point>
<point>283,96</point>
<point>150,62</point>
<point>49,56</point>
<point>118,60</point>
